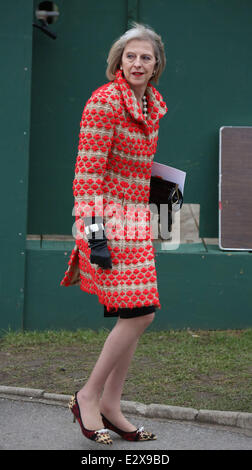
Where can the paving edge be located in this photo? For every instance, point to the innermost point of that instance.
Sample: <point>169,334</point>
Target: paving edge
<point>227,418</point>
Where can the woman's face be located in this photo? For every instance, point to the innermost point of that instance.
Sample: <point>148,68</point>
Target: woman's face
<point>138,63</point>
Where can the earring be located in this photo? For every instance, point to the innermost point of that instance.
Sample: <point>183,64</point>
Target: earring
<point>120,67</point>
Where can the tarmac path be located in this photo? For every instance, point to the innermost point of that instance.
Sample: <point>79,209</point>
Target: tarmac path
<point>31,425</point>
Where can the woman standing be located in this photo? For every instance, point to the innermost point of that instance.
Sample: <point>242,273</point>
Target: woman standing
<point>117,143</point>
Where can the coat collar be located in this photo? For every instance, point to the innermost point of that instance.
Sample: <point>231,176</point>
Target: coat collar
<point>156,106</point>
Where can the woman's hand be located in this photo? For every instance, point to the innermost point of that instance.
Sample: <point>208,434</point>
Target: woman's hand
<point>97,242</point>
<point>100,254</point>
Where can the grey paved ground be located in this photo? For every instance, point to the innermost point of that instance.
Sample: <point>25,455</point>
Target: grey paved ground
<point>33,425</point>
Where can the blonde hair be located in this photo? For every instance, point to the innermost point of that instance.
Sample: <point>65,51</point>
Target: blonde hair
<point>142,32</point>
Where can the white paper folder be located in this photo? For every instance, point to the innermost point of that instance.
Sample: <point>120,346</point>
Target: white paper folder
<point>170,174</point>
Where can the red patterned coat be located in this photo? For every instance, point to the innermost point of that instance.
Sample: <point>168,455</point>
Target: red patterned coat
<point>112,178</point>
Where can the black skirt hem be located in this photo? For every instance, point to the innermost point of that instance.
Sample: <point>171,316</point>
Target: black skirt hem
<point>129,312</point>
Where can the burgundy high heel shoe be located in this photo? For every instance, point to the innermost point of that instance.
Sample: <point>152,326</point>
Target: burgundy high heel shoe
<point>138,435</point>
<point>101,436</point>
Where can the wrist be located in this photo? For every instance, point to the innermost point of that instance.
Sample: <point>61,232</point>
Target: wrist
<point>94,228</point>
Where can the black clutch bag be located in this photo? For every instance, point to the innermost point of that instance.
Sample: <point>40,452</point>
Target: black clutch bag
<point>165,192</point>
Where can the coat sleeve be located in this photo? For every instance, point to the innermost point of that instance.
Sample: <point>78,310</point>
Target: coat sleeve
<point>95,141</point>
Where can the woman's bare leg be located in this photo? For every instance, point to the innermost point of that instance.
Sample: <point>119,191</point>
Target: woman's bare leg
<point>119,342</point>
<point>110,403</point>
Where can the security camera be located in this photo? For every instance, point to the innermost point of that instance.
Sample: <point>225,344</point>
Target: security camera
<point>46,17</point>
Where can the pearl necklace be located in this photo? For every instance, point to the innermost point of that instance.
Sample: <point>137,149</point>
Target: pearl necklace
<point>145,108</point>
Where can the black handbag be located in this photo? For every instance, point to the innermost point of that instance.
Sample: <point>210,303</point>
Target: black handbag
<point>165,192</point>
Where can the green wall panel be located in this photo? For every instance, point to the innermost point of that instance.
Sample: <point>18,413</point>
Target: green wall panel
<point>15,84</point>
<point>210,290</point>
<point>205,289</point>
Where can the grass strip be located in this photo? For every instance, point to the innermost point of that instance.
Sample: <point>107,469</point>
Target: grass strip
<point>201,369</point>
